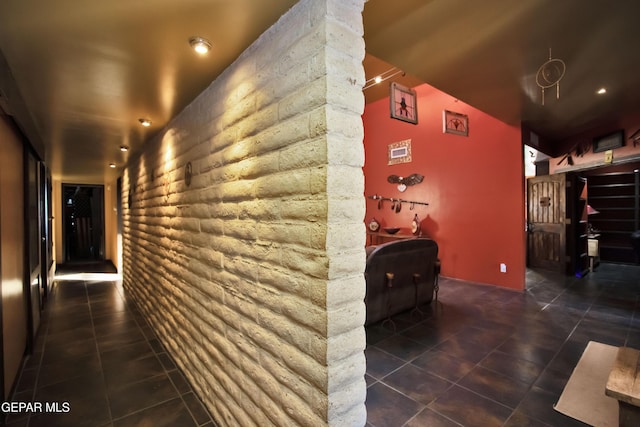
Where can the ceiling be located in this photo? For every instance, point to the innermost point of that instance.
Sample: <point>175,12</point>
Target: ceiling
<point>488,53</point>
<point>77,75</point>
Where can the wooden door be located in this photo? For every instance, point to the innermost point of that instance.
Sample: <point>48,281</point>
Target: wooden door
<point>13,297</point>
<point>546,203</point>
<point>33,217</point>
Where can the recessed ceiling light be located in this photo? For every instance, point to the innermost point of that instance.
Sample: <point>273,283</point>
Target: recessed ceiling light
<point>145,122</point>
<point>200,45</point>
<point>112,165</point>
<point>601,91</point>
<point>124,148</point>
<point>378,79</point>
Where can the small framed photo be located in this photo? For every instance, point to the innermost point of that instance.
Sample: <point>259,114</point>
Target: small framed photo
<point>609,141</point>
<point>455,123</point>
<point>403,103</point>
<point>400,152</point>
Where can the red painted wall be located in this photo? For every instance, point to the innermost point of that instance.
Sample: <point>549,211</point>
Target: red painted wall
<point>474,186</point>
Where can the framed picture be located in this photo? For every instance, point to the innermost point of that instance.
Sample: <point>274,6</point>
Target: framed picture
<point>609,141</point>
<point>399,152</point>
<point>455,123</point>
<point>403,103</point>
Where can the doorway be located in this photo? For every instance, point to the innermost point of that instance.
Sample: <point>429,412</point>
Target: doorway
<point>546,235</point>
<point>83,223</point>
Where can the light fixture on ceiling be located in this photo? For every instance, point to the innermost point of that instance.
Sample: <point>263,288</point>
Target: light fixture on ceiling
<point>145,122</point>
<point>200,45</point>
<point>124,148</point>
<point>112,165</point>
<point>601,91</point>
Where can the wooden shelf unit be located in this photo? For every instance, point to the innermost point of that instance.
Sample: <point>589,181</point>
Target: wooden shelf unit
<point>616,196</point>
<point>577,225</point>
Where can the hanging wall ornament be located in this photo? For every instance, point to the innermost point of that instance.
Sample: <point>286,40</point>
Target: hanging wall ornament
<point>403,182</point>
<point>549,74</point>
<point>415,225</point>
<point>188,173</point>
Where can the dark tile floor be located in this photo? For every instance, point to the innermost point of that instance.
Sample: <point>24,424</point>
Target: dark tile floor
<point>483,356</point>
<point>96,353</point>
<point>486,356</point>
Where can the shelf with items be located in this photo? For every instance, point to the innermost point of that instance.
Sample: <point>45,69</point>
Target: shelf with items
<point>379,237</point>
<point>615,195</point>
<point>577,225</point>
<point>378,234</point>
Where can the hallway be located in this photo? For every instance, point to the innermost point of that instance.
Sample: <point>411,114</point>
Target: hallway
<point>96,352</point>
<point>485,356</point>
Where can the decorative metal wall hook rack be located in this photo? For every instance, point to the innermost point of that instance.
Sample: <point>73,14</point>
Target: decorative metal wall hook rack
<point>395,200</point>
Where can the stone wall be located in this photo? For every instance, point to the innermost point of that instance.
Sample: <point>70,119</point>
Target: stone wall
<point>252,274</point>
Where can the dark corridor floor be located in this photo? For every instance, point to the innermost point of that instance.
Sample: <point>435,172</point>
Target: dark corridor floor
<point>96,352</point>
<point>485,356</point>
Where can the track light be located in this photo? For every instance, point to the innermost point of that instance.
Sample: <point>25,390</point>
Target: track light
<point>392,72</point>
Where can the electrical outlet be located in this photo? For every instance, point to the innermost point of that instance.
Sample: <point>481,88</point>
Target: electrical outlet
<point>503,267</point>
